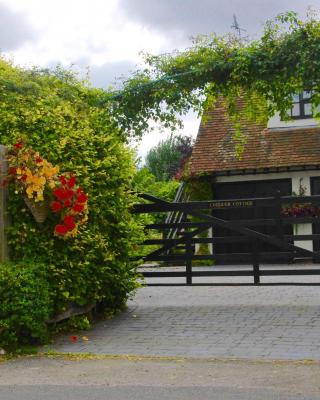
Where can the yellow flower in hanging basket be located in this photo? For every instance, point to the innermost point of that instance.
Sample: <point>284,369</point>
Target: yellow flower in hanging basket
<point>34,177</point>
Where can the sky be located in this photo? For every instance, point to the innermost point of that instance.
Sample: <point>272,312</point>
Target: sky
<point>107,37</point>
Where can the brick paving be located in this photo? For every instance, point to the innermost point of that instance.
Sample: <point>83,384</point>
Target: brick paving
<point>268,322</point>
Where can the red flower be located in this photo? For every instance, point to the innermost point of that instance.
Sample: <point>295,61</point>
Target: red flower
<point>12,170</point>
<point>73,338</point>
<point>71,182</point>
<point>71,227</point>
<point>63,180</point>
<point>66,203</point>
<point>78,208</point>
<point>39,160</point>
<point>59,193</point>
<point>69,221</point>
<point>18,145</point>
<point>82,198</point>
<point>63,194</point>
<point>61,229</point>
<point>72,199</point>
<point>69,193</point>
<point>56,206</point>
<point>23,178</point>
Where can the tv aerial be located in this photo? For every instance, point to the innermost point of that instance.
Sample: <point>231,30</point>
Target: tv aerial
<point>236,26</point>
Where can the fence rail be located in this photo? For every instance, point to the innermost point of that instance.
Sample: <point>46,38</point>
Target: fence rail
<point>199,217</point>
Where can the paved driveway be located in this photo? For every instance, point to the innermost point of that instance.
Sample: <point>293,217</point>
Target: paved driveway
<point>268,322</point>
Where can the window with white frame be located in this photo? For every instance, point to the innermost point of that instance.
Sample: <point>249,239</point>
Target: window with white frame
<point>302,107</point>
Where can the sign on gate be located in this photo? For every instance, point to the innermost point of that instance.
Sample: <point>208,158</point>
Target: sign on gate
<point>3,200</point>
<point>232,204</point>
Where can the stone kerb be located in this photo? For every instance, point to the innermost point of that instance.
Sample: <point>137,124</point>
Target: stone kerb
<point>4,254</point>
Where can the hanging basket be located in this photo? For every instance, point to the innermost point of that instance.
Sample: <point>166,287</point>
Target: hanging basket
<point>38,210</point>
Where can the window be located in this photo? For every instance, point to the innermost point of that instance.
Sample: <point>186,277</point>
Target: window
<point>301,105</point>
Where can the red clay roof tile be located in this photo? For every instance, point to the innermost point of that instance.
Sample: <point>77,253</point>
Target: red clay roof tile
<point>214,150</point>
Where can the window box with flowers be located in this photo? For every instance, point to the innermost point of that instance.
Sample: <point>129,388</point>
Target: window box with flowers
<point>296,210</point>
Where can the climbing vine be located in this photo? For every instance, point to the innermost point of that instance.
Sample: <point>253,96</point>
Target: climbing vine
<point>266,72</point>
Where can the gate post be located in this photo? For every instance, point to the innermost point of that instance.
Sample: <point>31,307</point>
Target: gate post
<point>189,254</point>
<point>4,253</point>
<point>255,256</point>
<point>255,263</point>
<point>279,216</point>
<point>278,209</point>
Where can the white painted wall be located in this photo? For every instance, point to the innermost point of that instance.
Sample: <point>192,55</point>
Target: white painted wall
<point>275,122</point>
<point>294,175</point>
<point>298,178</point>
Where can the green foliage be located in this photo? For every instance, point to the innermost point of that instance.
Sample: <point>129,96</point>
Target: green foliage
<point>25,304</point>
<point>56,115</point>
<point>166,159</point>
<point>199,189</point>
<point>267,72</point>
<point>77,322</point>
<point>145,182</point>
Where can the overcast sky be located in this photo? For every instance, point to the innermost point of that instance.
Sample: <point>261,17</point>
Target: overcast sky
<point>108,35</point>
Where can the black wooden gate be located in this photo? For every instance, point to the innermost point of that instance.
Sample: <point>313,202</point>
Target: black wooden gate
<point>251,189</point>
<point>197,218</point>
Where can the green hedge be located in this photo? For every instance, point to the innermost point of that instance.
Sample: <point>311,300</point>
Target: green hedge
<point>56,115</point>
<point>25,304</point>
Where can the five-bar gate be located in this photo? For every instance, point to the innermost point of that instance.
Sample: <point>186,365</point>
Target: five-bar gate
<point>198,217</point>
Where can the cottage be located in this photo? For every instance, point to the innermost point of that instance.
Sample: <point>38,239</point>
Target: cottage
<point>282,156</point>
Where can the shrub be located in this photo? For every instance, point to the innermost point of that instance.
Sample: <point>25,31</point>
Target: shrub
<point>25,304</point>
<point>168,157</point>
<point>58,116</point>
<point>144,181</point>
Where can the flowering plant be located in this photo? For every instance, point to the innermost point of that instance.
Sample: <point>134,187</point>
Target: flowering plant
<point>33,175</point>
<point>38,180</point>
<point>71,202</point>
<point>301,210</point>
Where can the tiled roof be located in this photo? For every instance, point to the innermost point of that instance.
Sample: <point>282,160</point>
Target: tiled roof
<point>214,150</point>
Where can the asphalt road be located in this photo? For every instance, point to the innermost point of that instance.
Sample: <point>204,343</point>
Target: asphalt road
<point>143,393</point>
<point>43,378</point>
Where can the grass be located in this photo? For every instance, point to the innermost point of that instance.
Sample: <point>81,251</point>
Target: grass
<point>90,356</point>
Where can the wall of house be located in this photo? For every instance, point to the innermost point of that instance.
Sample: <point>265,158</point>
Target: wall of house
<point>299,179</point>
<point>275,122</point>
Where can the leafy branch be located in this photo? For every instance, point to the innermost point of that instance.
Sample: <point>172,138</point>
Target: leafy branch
<point>266,72</point>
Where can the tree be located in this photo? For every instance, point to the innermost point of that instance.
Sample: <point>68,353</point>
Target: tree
<point>167,158</point>
<point>267,71</point>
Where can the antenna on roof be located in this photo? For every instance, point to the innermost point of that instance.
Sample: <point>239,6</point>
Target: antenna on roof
<point>236,26</point>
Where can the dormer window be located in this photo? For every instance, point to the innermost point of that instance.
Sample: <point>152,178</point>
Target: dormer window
<point>301,106</point>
